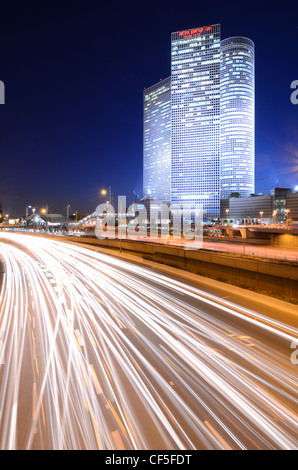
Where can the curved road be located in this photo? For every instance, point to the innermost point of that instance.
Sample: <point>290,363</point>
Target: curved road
<point>101,353</point>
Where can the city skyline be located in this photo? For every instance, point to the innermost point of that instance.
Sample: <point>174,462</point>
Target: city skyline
<point>61,127</point>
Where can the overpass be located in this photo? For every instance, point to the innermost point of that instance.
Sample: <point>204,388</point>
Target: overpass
<point>279,235</point>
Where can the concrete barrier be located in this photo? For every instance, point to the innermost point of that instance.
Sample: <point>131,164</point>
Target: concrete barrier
<point>275,278</point>
<point>285,240</point>
<point>270,277</point>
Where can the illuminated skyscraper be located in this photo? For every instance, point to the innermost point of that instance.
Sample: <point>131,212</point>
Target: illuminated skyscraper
<point>195,85</point>
<point>157,141</point>
<point>199,123</point>
<point>237,154</point>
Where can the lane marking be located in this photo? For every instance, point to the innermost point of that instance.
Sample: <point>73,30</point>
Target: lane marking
<point>220,439</point>
<point>34,402</point>
<point>117,440</point>
<point>95,380</point>
<point>79,337</point>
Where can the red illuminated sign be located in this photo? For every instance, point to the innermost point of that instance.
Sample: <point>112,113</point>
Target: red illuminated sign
<point>190,33</point>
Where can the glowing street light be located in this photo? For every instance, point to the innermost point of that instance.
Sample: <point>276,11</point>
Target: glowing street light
<point>27,211</point>
<point>109,201</point>
<point>104,192</point>
<point>274,216</point>
<point>261,214</point>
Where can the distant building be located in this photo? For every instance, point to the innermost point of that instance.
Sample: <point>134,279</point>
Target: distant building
<point>280,203</point>
<point>48,221</point>
<point>157,141</point>
<point>274,208</point>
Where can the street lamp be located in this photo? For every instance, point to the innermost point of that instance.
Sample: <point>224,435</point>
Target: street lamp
<point>274,216</point>
<point>103,192</point>
<point>227,211</point>
<point>109,202</point>
<point>27,211</point>
<point>261,213</point>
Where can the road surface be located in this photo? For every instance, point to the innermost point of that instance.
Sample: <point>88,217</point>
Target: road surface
<point>101,353</point>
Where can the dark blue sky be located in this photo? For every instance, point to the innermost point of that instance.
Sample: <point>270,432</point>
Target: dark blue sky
<point>75,71</point>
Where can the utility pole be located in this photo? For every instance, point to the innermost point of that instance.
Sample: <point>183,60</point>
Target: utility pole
<point>244,237</point>
<point>76,223</point>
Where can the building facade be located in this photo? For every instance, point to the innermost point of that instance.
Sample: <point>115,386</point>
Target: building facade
<point>237,122</point>
<point>243,209</point>
<point>195,102</point>
<point>199,123</point>
<point>277,207</point>
<point>157,141</point>
<point>280,203</point>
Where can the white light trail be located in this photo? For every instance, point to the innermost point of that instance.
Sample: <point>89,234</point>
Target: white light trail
<point>99,353</point>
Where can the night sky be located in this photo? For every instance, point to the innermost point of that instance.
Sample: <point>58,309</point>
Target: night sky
<point>74,74</point>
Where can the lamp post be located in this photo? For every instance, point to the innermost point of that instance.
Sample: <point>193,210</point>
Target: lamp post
<point>27,211</point>
<point>287,213</point>
<point>274,217</point>
<point>76,224</point>
<point>261,214</point>
<point>227,211</point>
<point>44,211</point>
<point>103,192</point>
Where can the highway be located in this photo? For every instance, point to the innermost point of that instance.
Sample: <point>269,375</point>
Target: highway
<point>101,353</point>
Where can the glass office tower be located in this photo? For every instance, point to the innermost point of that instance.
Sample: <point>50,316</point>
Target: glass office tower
<point>157,141</point>
<point>237,141</point>
<point>195,101</point>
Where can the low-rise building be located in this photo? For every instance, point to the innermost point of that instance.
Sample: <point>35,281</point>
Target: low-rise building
<point>277,207</point>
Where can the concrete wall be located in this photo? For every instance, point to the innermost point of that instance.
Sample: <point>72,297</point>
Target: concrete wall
<point>285,240</point>
<point>275,278</point>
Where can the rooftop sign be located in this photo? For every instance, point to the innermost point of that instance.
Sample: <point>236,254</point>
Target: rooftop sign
<point>190,33</point>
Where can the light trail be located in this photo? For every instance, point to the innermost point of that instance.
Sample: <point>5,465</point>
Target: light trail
<point>99,353</point>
